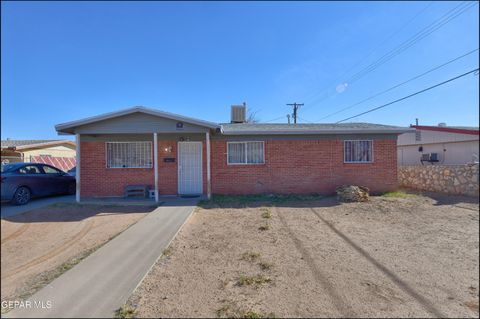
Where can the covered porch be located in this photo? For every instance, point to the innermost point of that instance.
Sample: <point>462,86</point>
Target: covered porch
<point>169,154</point>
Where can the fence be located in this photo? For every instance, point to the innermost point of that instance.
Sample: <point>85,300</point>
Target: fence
<point>450,179</point>
<point>63,163</point>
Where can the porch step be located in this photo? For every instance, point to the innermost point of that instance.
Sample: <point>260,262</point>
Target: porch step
<point>137,190</point>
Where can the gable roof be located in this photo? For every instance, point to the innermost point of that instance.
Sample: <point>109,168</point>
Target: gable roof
<point>29,144</point>
<point>67,127</point>
<point>470,130</point>
<point>287,129</point>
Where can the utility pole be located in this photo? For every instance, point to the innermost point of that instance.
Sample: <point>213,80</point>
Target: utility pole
<point>296,106</point>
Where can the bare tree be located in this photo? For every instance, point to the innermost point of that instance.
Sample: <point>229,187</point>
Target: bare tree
<point>252,117</point>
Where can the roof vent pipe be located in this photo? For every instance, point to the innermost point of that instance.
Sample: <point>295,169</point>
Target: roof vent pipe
<point>238,113</point>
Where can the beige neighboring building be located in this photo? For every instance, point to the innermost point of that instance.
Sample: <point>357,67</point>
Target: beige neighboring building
<point>59,153</point>
<point>441,145</point>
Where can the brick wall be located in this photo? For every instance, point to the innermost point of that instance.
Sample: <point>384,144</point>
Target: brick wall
<point>97,180</point>
<point>303,166</point>
<point>291,166</point>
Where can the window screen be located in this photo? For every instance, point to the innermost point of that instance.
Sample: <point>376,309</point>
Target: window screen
<point>358,151</point>
<point>245,153</point>
<point>129,154</point>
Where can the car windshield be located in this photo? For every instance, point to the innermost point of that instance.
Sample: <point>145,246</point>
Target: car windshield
<point>8,167</point>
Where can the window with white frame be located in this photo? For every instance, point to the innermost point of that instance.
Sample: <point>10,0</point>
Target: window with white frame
<point>129,154</point>
<point>245,153</point>
<point>358,151</point>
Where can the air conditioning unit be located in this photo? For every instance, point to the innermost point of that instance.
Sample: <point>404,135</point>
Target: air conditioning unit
<point>238,113</point>
<point>429,157</point>
<point>425,157</point>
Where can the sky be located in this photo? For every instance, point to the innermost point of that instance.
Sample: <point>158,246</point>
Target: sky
<point>63,61</point>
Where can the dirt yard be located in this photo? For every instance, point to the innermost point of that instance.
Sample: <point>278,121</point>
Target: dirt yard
<point>399,256</point>
<point>41,244</point>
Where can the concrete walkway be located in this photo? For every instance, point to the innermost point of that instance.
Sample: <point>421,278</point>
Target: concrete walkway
<point>102,283</point>
<point>8,209</point>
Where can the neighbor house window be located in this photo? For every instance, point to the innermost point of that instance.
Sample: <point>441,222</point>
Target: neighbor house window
<point>358,151</point>
<point>129,154</point>
<point>245,153</point>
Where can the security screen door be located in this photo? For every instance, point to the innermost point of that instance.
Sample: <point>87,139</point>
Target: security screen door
<point>190,168</point>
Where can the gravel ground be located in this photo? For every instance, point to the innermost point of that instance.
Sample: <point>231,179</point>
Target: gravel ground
<point>41,244</point>
<point>391,257</point>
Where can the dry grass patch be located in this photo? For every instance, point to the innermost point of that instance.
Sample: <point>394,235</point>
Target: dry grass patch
<point>167,252</point>
<point>244,280</point>
<point>266,213</point>
<point>125,311</point>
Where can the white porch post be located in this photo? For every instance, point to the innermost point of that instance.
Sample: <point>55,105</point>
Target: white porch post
<point>209,180</point>
<point>155,163</point>
<point>77,169</point>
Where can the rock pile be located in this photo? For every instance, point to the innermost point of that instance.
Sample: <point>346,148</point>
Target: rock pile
<point>351,193</point>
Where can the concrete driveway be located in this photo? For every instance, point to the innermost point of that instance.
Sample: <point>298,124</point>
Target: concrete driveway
<point>9,209</point>
<point>102,283</point>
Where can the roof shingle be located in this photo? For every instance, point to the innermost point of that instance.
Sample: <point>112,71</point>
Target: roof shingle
<point>14,143</point>
<point>327,128</point>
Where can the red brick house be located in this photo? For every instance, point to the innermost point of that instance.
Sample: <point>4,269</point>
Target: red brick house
<point>177,155</point>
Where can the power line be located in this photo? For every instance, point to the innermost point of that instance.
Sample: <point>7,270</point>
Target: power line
<point>359,62</point>
<point>398,85</point>
<point>426,31</point>
<point>437,24</point>
<point>305,120</point>
<point>277,118</point>
<point>409,96</point>
<point>432,27</point>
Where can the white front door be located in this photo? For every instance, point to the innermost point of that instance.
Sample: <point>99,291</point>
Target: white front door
<point>190,179</point>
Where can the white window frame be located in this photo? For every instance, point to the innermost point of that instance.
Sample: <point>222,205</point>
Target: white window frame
<point>130,167</point>
<point>245,142</point>
<point>357,162</point>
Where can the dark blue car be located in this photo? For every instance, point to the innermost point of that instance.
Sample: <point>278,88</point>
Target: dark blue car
<point>22,181</point>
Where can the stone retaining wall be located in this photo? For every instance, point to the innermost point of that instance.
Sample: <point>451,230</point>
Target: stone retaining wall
<point>450,179</point>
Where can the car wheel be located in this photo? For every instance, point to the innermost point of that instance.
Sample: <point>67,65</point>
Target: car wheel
<point>22,196</point>
<point>72,189</point>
